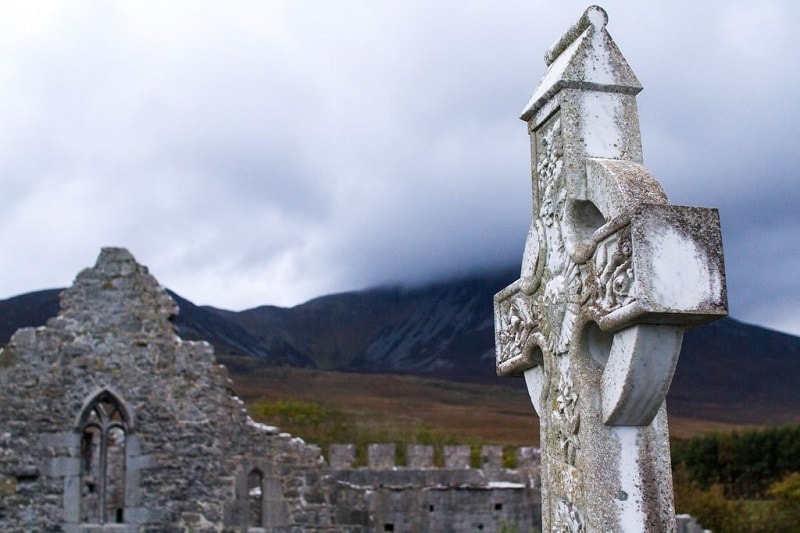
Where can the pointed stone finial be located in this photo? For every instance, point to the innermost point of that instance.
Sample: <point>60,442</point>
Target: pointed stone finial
<point>120,290</point>
<point>585,57</point>
<point>593,16</point>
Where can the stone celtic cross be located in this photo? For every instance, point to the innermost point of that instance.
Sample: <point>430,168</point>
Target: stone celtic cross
<point>612,275</point>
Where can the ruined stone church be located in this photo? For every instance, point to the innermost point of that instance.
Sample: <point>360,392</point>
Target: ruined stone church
<point>110,422</point>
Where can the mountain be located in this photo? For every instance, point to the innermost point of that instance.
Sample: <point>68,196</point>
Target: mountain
<point>222,329</point>
<point>728,371</point>
<point>738,372</point>
<point>31,309</point>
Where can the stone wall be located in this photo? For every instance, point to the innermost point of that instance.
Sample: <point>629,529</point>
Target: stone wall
<point>687,524</point>
<point>187,442</point>
<point>110,422</point>
<point>457,497</point>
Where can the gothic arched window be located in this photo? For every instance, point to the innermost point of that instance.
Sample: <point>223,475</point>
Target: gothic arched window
<point>104,428</point>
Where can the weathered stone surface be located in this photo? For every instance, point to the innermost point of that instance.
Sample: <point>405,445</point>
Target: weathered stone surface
<point>687,524</point>
<point>453,498</point>
<point>381,456</point>
<point>191,459</point>
<point>187,437</point>
<point>342,455</point>
<point>492,457</point>
<point>457,456</point>
<point>419,456</point>
<point>611,276</point>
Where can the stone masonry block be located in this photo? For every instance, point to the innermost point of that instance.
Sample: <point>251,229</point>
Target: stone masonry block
<point>419,456</point>
<point>528,456</point>
<point>61,466</point>
<point>457,457</point>
<point>492,457</point>
<point>381,456</point>
<point>342,456</point>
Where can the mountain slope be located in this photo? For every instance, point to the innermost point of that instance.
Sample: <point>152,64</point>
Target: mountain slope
<point>728,371</point>
<point>444,330</point>
<point>31,309</point>
<point>229,337</point>
<point>733,371</point>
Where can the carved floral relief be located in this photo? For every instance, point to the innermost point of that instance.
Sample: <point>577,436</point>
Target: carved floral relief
<point>609,280</point>
<point>516,326</point>
<point>567,419</point>
<point>562,284</point>
<point>567,518</point>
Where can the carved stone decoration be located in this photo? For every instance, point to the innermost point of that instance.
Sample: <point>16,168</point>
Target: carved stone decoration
<point>561,274</point>
<point>568,518</point>
<point>515,331</point>
<point>567,419</point>
<point>609,281</point>
<point>611,275</point>
<point>519,343</point>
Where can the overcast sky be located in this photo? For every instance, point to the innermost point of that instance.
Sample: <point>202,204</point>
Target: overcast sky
<point>268,152</point>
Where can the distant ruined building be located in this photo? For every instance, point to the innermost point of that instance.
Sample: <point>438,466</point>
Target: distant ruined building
<point>110,422</point>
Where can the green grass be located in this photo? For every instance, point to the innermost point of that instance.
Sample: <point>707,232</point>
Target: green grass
<point>324,425</point>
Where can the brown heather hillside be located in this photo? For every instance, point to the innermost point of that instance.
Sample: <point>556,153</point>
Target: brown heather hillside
<point>729,374</point>
<point>495,414</point>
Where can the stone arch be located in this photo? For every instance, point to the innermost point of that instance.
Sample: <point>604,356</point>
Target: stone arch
<point>104,426</point>
<point>127,411</point>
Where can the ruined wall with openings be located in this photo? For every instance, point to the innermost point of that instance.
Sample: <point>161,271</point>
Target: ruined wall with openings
<point>108,419</point>
<point>455,497</point>
<point>110,422</point>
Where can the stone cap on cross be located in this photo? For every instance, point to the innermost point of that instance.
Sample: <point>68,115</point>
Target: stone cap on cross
<point>585,57</point>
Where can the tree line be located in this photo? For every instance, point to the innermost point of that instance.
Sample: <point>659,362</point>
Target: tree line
<point>740,481</point>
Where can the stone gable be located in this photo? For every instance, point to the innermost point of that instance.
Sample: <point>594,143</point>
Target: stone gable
<point>110,422</point>
<point>176,446</point>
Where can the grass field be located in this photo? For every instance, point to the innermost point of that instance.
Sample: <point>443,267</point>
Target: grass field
<point>493,414</point>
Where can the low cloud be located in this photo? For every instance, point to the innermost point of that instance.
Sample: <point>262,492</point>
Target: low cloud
<point>266,153</point>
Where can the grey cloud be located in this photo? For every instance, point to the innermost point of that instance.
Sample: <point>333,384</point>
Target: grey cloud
<point>271,152</point>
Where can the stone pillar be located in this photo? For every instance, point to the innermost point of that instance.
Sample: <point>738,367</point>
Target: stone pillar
<point>492,458</point>
<point>381,456</point>
<point>528,457</point>
<point>275,509</point>
<point>419,456</point>
<point>457,457</point>
<point>342,456</point>
<point>611,276</point>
